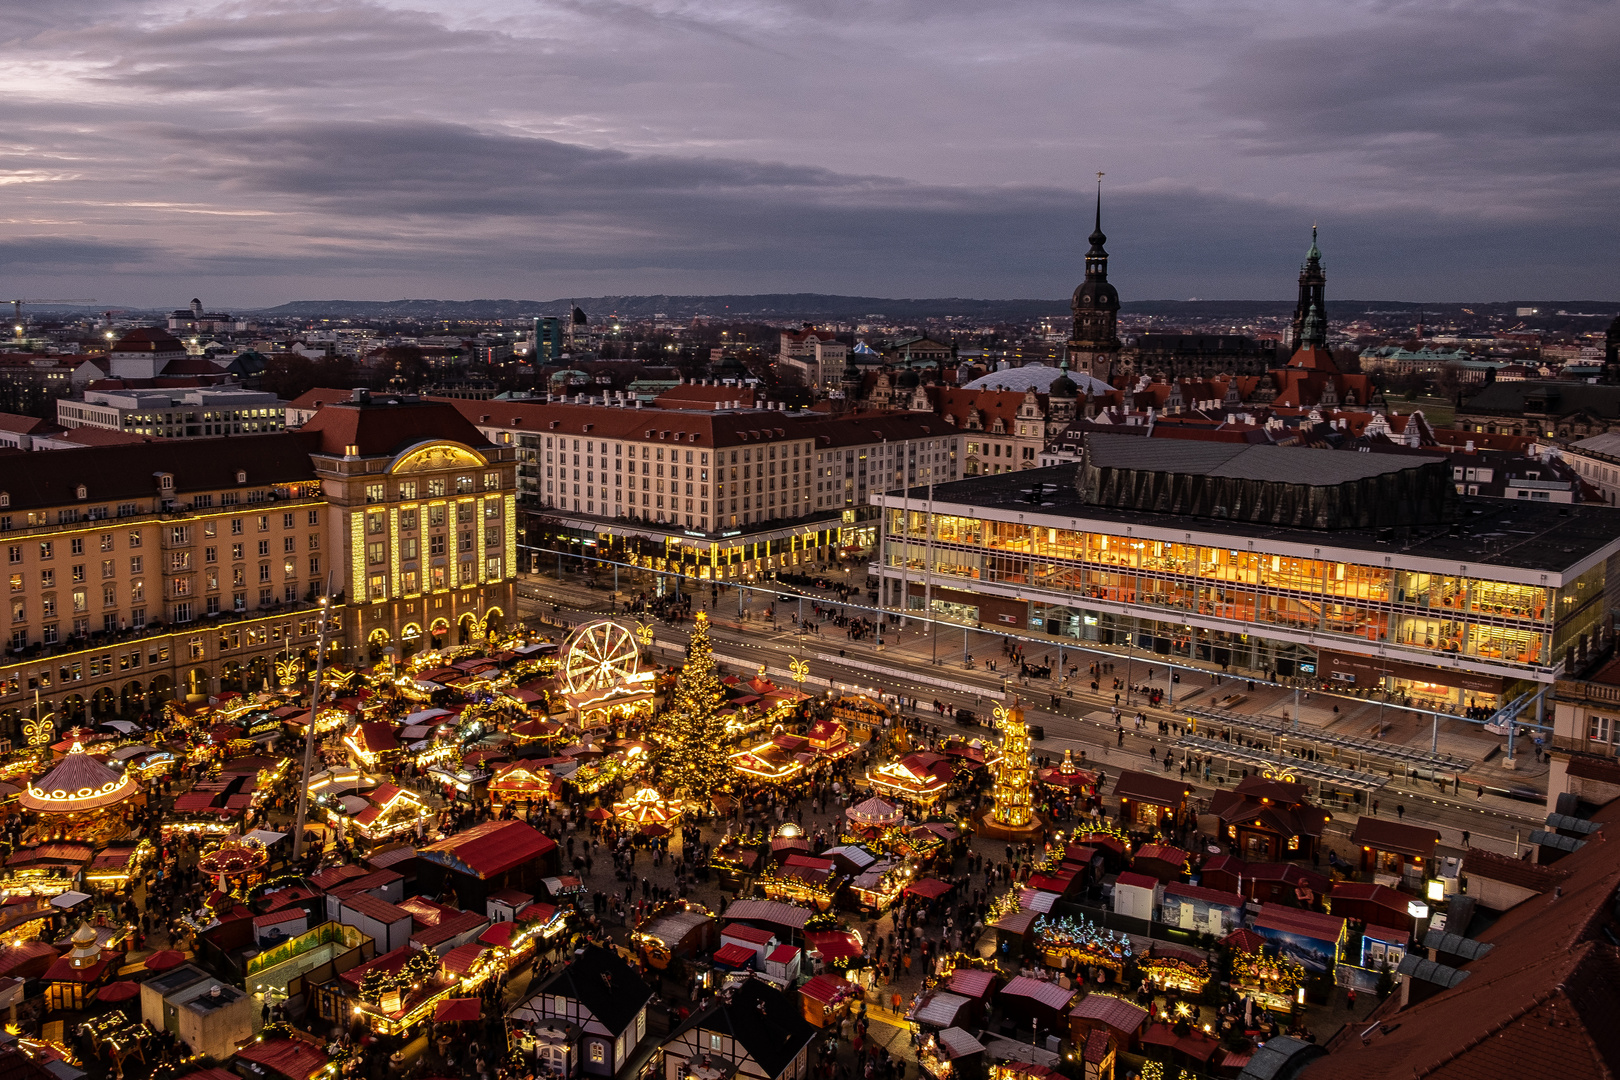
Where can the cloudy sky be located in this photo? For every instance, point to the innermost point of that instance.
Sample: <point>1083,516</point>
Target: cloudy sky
<point>269,150</point>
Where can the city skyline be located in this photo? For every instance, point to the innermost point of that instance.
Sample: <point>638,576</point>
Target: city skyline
<point>260,155</point>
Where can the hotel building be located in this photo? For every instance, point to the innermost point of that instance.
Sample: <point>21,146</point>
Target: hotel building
<point>139,573</point>
<point>711,493</point>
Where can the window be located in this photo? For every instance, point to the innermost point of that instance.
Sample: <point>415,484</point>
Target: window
<point>375,523</point>
<point>109,596</point>
<point>492,568</point>
<point>314,517</point>
<point>79,600</point>
<point>209,555</point>
<point>14,553</point>
<point>714,1041</point>
<point>376,553</point>
<point>407,548</point>
<point>378,589</point>
<point>436,544</point>
<point>76,545</point>
<point>264,522</point>
<point>492,481</point>
<point>264,548</point>
<point>106,541</point>
<point>19,611</point>
<point>598,1052</point>
<point>374,493</point>
<point>314,541</point>
<point>435,489</point>
<point>46,551</point>
<point>466,543</point>
<point>236,526</point>
<point>492,508</point>
<point>436,515</point>
<point>1597,729</point>
<point>408,581</point>
<point>464,484</point>
<point>407,489</point>
<point>47,579</point>
<point>264,572</point>
<point>289,544</point>
<point>464,512</point>
<point>286,521</point>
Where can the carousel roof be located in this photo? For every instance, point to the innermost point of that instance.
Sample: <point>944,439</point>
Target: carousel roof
<point>79,782</point>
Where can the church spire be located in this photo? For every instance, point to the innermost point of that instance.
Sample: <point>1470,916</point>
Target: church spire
<point>1312,298</point>
<point>1095,344</point>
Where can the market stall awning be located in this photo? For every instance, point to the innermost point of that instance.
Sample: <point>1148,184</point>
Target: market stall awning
<point>457,1010</point>
<point>928,888</point>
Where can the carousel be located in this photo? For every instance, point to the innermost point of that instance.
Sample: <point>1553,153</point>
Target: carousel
<point>647,808</point>
<point>81,799</point>
<point>236,864</point>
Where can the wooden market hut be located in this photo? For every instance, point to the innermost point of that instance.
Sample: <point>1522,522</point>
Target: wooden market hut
<point>1270,820</point>
<point>1147,801</point>
<point>1394,850</point>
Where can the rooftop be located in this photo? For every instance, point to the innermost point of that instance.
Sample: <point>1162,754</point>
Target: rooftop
<point>1541,537</point>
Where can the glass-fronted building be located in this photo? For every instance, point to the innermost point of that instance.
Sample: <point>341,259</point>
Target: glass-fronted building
<point>1448,609</point>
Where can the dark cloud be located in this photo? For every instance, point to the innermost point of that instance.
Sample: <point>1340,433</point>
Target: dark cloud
<point>331,147</point>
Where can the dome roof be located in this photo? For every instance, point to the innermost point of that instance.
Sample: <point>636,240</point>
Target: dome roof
<point>908,379</point>
<point>1094,296</point>
<point>1039,378</point>
<point>79,782</point>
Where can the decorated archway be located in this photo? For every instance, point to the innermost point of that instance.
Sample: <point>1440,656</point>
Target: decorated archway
<point>466,628</point>
<point>72,711</point>
<point>438,633</point>
<point>494,619</point>
<point>103,703</point>
<point>410,640</point>
<point>256,675</point>
<point>376,643</point>
<point>230,676</point>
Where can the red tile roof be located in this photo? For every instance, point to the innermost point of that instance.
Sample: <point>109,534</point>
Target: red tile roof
<point>1145,787</point>
<point>383,428</point>
<point>292,1058</point>
<point>1510,871</point>
<point>734,955</point>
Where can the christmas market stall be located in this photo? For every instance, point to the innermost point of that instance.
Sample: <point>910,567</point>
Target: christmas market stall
<point>952,1054</point>
<point>804,879</point>
<point>1268,820</point>
<point>1171,967</point>
<point>1046,1004</point>
<point>919,778</point>
<point>677,931</point>
<point>1068,778</point>
<point>1310,937</point>
<point>520,782</point>
<point>826,999</point>
<point>1260,972</point>
<point>72,980</point>
<point>1076,943</point>
<point>1147,801</point>
<point>778,760</point>
<point>861,716</point>
<point>1395,853</point>
<point>871,818</point>
<point>879,885</point>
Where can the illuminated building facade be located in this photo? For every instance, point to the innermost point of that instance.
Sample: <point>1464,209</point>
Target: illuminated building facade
<point>1373,581</point>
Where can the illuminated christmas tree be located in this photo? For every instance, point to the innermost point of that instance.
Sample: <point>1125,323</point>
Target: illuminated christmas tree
<point>694,754</point>
<point>1013,803</point>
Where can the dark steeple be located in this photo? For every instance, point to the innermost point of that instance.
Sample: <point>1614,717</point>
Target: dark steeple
<point>1096,307</point>
<point>1312,295</point>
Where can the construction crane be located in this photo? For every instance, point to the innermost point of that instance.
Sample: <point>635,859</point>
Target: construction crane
<point>16,307</point>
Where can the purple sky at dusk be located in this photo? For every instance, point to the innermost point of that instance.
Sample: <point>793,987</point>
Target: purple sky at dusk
<point>254,153</point>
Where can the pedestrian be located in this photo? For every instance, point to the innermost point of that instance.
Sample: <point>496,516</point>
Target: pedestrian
<point>1465,838</point>
<point>1350,999</point>
<point>1375,808</point>
<point>1400,812</point>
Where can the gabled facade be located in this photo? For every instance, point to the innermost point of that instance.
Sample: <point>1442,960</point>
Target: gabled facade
<point>755,1028</point>
<point>590,1018</point>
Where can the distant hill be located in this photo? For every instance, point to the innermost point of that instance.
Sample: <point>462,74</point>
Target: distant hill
<point>821,306</point>
<point>763,306</point>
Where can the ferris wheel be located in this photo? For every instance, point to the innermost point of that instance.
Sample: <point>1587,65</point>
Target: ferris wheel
<point>599,656</point>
